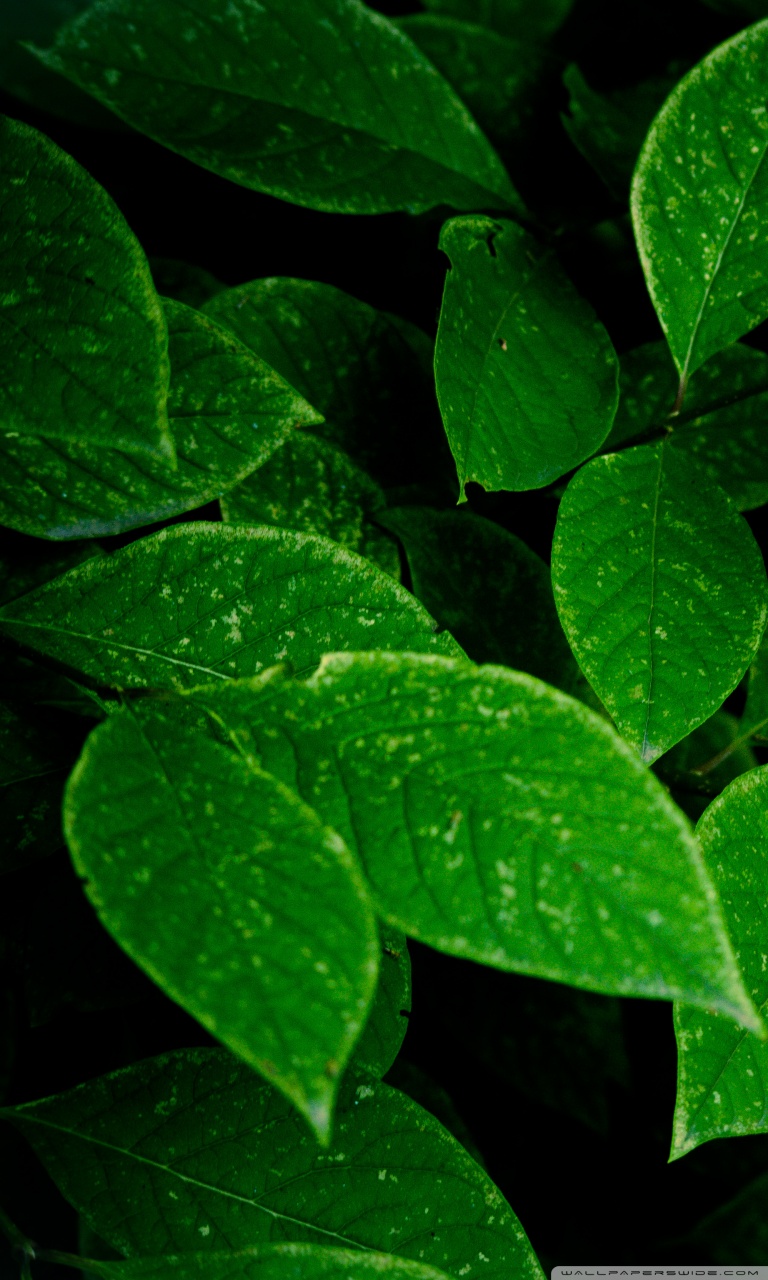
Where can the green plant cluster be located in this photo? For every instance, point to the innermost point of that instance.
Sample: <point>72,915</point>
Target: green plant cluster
<point>311,729</point>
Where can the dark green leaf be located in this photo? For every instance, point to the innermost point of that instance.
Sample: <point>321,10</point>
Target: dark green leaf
<point>202,600</point>
<point>230,894</point>
<point>496,819</point>
<point>737,1229</point>
<point>312,486</point>
<point>699,766</point>
<point>527,19</point>
<point>755,717</point>
<point>698,200</point>
<point>723,423</point>
<point>270,1262</point>
<point>387,1022</point>
<point>184,282</point>
<point>488,589</point>
<point>369,373</point>
<point>191,1151</point>
<point>435,1099</point>
<point>661,591</point>
<point>228,411</point>
<point>749,10</point>
<point>526,374</point>
<point>722,1079</point>
<point>33,770</point>
<point>364,125</point>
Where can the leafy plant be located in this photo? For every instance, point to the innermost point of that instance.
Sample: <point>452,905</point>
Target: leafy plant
<point>291,698</point>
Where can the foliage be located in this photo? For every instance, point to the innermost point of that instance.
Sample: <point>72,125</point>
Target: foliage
<point>291,699</point>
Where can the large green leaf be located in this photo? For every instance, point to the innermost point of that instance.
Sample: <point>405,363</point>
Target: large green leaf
<point>723,423</point>
<point>270,1262</point>
<point>228,410</point>
<point>312,486</point>
<point>698,199</point>
<point>497,819</point>
<point>487,588</point>
<point>202,600</point>
<point>722,1081</point>
<point>526,374</point>
<point>81,323</point>
<point>33,768</point>
<point>527,19</point>
<point>369,373</point>
<point>190,1151</point>
<point>661,591</point>
<point>362,124</point>
<point>387,1021</point>
<point>230,894</point>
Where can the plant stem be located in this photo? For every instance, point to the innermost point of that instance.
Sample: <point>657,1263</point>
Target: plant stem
<point>703,769</point>
<point>16,1238</point>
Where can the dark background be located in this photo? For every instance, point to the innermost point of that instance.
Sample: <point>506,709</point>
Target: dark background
<point>594,1190</point>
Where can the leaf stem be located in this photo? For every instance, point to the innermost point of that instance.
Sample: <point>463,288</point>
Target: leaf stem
<point>682,387</point>
<point>709,765</point>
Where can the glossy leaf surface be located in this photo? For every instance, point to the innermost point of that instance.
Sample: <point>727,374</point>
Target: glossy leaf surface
<point>496,819</point>
<point>270,1262</point>
<point>525,372</point>
<point>363,125</point>
<point>698,202</point>
<point>524,18</point>
<point>200,600</point>
<point>230,894</point>
<point>722,1075</point>
<point>723,421</point>
<point>245,1167</point>
<point>661,591</point>
<point>311,486</point>
<point>80,317</point>
<point>487,588</point>
<point>228,411</point>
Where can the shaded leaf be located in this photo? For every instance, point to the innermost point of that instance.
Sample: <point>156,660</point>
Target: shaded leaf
<point>184,282</point>
<point>200,600</point>
<point>244,1166</point>
<point>311,486</point>
<point>707,760</point>
<point>230,894</point>
<point>496,819</point>
<point>26,563</point>
<point>661,591</point>
<point>369,373</point>
<point>364,125</point>
<point>387,1022</point>
<point>722,1077</point>
<point>698,199</point>
<point>435,1099</point>
<point>738,1228</point>
<point>528,19</point>
<point>228,411</point>
<point>755,717</point>
<point>525,372</point>
<point>487,588</point>
<point>723,423</point>
<point>81,320</point>
<point>270,1262</point>
<point>33,769</point>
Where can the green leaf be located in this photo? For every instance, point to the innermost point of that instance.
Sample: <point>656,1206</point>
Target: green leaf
<point>202,601</point>
<point>191,1151</point>
<point>270,1262</point>
<point>387,1022</point>
<point>363,126</point>
<point>755,717</point>
<point>435,1099</point>
<point>609,129</point>
<point>81,321</point>
<point>722,425</point>
<point>722,1073</point>
<point>228,410</point>
<point>496,819</point>
<point>369,373</point>
<point>498,77</point>
<point>311,486</point>
<point>661,591</point>
<point>184,282</point>
<point>526,374</point>
<point>750,10</point>
<point>460,562</point>
<point>526,19</point>
<point>697,202</point>
<point>699,766</point>
<point>231,895</point>
<point>33,769</point>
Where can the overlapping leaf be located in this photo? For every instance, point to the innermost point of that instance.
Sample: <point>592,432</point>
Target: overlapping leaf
<point>228,410</point>
<point>33,769</point>
<point>661,591</point>
<point>523,18</point>
<point>723,423</point>
<point>270,1262</point>
<point>496,819</point>
<point>722,1081</point>
<point>81,322</point>
<point>312,486</point>
<point>387,1021</point>
<point>698,767</point>
<point>231,894</point>
<point>526,374</point>
<point>202,601</point>
<point>362,124</point>
<point>22,75</point>
<point>244,1171</point>
<point>698,202</point>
